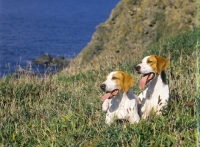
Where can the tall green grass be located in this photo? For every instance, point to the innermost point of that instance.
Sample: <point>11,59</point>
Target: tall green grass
<point>65,110</point>
<point>198,84</point>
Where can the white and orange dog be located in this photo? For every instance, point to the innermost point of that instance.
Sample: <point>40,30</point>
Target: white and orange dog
<point>119,101</point>
<point>156,95</point>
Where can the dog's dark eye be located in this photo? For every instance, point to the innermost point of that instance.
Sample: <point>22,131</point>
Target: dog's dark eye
<point>149,61</point>
<point>114,78</point>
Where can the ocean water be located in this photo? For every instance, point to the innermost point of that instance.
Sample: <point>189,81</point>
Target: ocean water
<point>30,28</point>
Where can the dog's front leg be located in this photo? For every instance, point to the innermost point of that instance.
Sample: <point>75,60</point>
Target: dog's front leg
<point>105,105</point>
<point>134,119</point>
<point>109,118</point>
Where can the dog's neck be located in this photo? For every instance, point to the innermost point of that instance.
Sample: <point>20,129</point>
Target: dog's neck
<point>120,99</point>
<point>121,95</point>
<point>163,77</point>
<point>160,79</point>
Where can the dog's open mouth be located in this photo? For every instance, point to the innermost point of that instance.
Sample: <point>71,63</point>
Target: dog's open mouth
<point>110,94</point>
<point>146,79</point>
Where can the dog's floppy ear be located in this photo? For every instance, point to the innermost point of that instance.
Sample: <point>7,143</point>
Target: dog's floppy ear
<point>127,81</point>
<point>162,64</point>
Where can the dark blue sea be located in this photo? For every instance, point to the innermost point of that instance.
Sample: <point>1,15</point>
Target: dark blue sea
<point>30,28</point>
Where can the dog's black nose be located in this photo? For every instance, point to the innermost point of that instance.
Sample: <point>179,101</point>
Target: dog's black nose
<point>103,87</point>
<point>137,68</point>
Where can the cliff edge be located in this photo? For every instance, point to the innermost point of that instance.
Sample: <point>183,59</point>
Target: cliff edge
<point>131,27</point>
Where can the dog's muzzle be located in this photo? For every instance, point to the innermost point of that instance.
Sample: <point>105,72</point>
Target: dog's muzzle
<point>137,68</point>
<point>103,87</point>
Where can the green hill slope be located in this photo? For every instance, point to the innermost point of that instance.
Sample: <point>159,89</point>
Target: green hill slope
<point>66,110</point>
<point>131,27</point>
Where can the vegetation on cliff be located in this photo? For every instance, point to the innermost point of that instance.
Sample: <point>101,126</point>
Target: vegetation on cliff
<point>132,26</point>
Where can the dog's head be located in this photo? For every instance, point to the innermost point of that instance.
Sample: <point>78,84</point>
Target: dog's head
<point>150,66</point>
<point>115,82</point>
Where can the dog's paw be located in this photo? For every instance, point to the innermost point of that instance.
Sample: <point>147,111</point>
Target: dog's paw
<point>105,105</point>
<point>108,120</point>
<point>104,110</point>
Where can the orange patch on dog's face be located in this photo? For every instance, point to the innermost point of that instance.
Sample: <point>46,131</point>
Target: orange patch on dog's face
<point>152,61</point>
<point>123,80</point>
<point>117,77</point>
<point>157,63</point>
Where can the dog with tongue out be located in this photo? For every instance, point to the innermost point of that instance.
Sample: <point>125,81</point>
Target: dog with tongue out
<point>156,95</point>
<point>119,101</point>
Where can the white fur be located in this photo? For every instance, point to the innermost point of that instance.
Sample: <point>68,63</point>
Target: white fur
<point>121,106</point>
<point>155,96</point>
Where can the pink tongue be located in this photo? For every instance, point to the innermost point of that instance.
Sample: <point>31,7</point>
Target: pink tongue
<point>143,82</point>
<point>105,96</point>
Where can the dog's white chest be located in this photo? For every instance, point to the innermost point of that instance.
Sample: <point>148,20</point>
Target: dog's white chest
<point>154,97</point>
<point>124,108</point>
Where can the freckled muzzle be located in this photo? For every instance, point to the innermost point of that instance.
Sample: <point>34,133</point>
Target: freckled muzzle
<point>108,94</point>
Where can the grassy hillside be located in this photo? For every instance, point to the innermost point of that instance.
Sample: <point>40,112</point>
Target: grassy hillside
<point>198,85</point>
<point>131,27</point>
<point>198,70</point>
<point>65,110</point>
